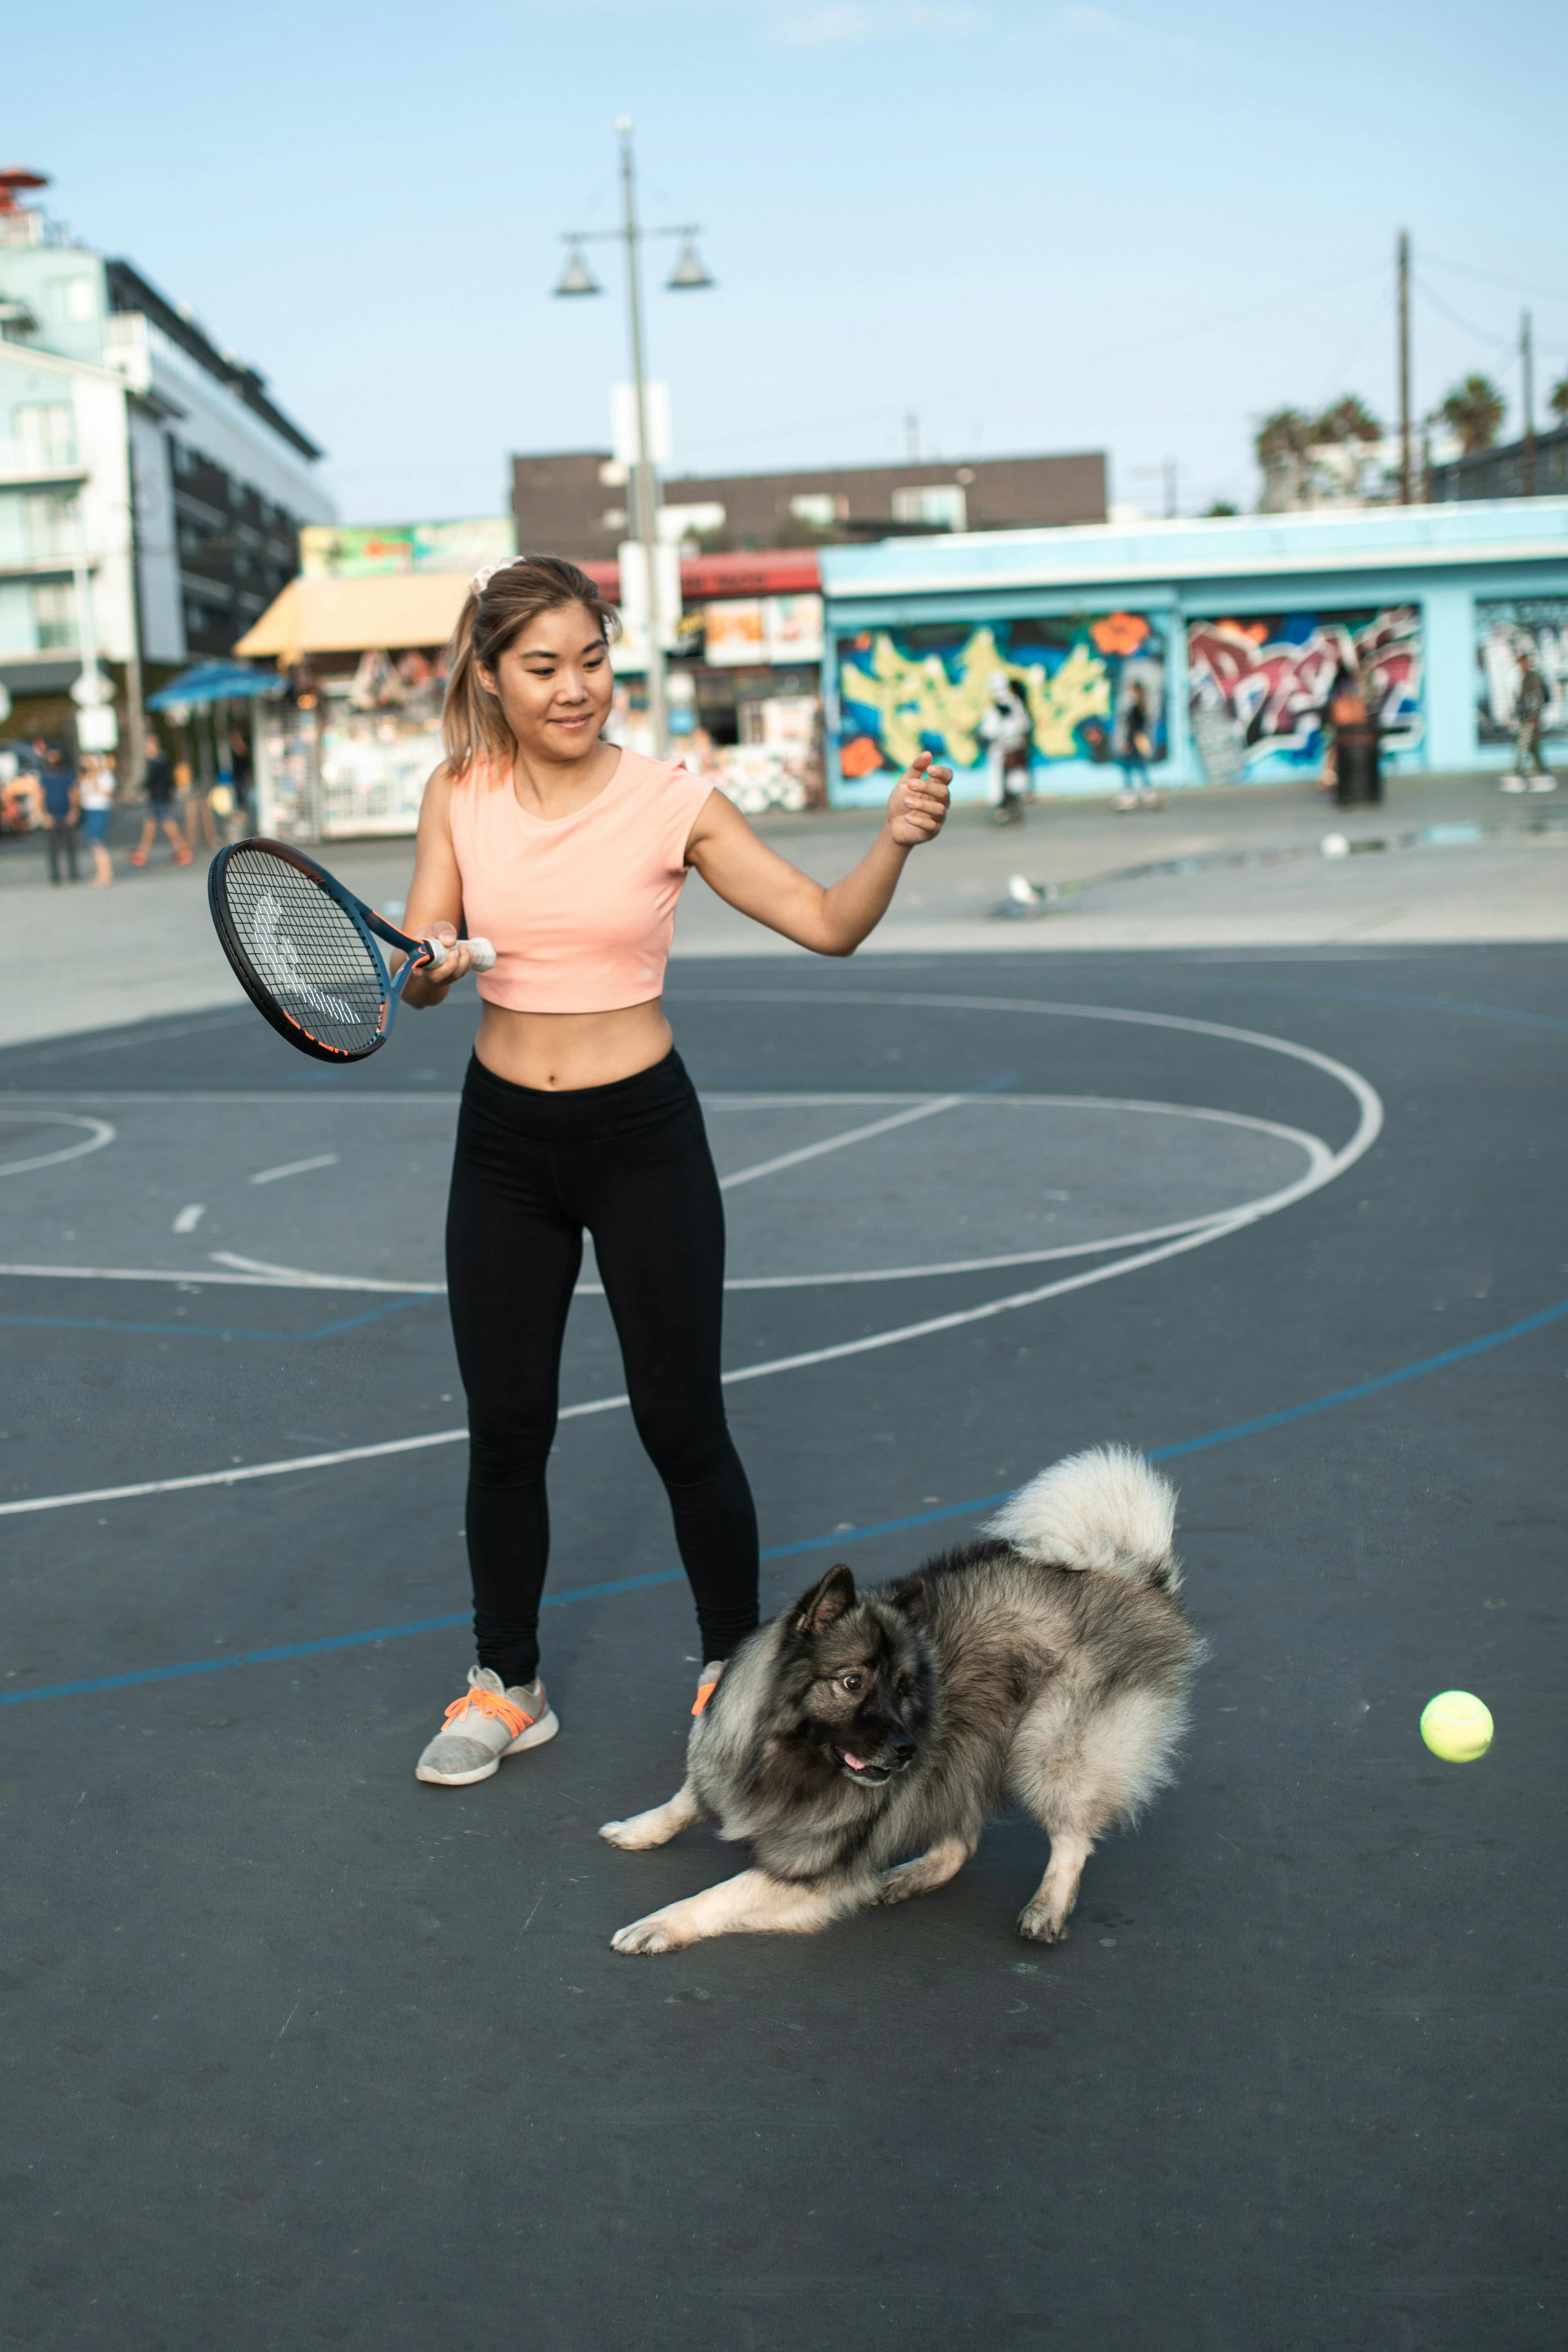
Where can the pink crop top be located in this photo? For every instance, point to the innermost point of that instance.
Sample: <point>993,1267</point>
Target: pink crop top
<point>580,910</point>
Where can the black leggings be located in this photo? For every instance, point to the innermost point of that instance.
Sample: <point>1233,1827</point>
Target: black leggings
<point>629,1161</point>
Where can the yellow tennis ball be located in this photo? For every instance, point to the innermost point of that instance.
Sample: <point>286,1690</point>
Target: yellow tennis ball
<point>1457,1725</point>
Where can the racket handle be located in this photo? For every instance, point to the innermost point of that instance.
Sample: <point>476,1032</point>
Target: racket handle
<point>483,954</point>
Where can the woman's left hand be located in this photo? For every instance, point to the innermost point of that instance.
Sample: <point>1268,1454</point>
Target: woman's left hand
<point>917,810</point>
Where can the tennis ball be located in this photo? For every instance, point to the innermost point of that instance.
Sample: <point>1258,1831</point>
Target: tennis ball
<point>1457,1727</point>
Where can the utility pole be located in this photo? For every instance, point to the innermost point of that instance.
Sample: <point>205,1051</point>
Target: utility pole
<point>687,277</point>
<point>1406,449</point>
<point>647,486</point>
<point>1171,480</point>
<point>912,439</point>
<point>1527,369</point>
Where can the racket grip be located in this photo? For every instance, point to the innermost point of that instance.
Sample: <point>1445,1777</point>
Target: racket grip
<point>483,954</point>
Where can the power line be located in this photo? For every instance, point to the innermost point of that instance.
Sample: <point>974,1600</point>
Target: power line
<point>1497,278</point>
<point>1485,334</point>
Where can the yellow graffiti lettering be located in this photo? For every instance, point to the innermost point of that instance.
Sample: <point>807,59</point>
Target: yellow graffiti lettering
<point>914,697</point>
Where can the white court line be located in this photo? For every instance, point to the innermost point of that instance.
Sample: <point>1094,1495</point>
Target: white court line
<point>190,1217</point>
<point>873,1340</point>
<point>252,1273</point>
<point>295,1168</point>
<point>101,1133</point>
<point>837,1143</point>
<point>1369,1125</point>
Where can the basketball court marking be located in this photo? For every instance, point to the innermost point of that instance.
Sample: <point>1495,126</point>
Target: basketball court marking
<point>100,1132</point>
<point>1369,1125</point>
<point>839,1536</point>
<point>260,1273</point>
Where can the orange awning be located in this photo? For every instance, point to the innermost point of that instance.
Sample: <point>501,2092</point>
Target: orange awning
<point>390,611</point>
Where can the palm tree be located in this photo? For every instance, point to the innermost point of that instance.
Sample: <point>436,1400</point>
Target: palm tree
<point>1288,433</point>
<point>1474,410</point>
<point>1350,419</point>
<point>1557,401</point>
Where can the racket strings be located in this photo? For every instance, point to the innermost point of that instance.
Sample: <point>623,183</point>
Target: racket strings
<point>305,950</point>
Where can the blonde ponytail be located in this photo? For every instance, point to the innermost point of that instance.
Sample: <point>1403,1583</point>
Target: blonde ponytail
<point>495,611</point>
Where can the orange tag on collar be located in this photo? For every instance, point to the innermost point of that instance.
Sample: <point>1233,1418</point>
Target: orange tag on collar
<point>704,1693</point>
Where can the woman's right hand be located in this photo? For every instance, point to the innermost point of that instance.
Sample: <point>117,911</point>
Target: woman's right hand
<point>430,985</point>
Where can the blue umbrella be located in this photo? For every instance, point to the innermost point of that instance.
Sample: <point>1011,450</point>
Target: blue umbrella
<point>214,681</point>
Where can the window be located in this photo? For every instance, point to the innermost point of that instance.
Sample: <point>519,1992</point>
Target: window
<point>46,430</point>
<point>941,506</point>
<point>819,510</point>
<point>54,614</point>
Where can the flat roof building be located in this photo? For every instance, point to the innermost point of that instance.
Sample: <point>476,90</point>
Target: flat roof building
<point>575,502</point>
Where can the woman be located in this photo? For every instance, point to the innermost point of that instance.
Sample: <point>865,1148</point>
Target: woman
<point>570,855</point>
<point>1135,754</point>
<point>95,790</point>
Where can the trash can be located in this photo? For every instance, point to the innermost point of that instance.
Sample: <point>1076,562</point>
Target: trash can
<point>1358,770</point>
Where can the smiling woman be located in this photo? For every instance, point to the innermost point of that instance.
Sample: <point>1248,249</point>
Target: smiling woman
<point>578,1115</point>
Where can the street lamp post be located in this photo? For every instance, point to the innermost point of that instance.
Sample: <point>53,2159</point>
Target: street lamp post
<point>687,274</point>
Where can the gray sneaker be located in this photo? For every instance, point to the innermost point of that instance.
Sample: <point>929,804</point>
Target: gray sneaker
<point>486,1724</point>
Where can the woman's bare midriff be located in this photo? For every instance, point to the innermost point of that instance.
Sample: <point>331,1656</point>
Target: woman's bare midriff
<point>559,1052</point>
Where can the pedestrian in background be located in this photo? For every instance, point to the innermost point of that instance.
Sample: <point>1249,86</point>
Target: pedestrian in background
<point>95,794</point>
<point>158,785</point>
<point>1136,749</point>
<point>61,806</point>
<point>199,813</point>
<point>1531,696</point>
<point>1007,731</point>
<point>243,768</point>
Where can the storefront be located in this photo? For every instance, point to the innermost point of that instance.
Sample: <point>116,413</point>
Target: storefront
<point>349,747</point>
<point>742,676</point>
<point>1235,632</point>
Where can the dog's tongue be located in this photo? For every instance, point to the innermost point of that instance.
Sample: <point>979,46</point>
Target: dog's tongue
<point>856,1763</point>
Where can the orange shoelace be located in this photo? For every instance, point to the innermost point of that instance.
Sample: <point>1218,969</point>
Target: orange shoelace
<point>491,1703</point>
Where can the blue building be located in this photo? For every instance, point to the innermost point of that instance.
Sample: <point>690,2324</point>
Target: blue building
<point>1237,630</point>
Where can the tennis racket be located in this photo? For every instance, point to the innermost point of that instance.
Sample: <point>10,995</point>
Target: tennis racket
<point>304,950</point>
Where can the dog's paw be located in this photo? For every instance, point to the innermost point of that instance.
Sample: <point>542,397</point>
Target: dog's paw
<point>897,1885</point>
<point>628,1835</point>
<point>654,1934</point>
<point>1042,1923</point>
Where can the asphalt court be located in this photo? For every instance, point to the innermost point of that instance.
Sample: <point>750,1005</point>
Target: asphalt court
<point>305,2051</point>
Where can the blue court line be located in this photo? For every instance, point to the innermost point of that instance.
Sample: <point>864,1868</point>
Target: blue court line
<point>210,1330</point>
<point>843,1536</point>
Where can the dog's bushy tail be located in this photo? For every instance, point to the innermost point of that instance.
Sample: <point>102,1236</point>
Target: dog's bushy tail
<point>1104,1509</point>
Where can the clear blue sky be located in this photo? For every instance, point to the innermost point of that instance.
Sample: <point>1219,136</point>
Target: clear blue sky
<point>1037,228</point>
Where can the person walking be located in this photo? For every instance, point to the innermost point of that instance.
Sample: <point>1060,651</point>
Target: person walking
<point>1531,696</point>
<point>95,791</point>
<point>242,768</point>
<point>1136,749</point>
<point>158,788</point>
<point>57,782</point>
<point>1007,731</point>
<point>577,1112</point>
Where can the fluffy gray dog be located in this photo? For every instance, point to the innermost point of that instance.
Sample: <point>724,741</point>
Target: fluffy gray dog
<point>858,1742</point>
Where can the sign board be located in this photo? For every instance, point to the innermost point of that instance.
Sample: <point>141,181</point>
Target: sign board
<point>630,649</point>
<point>330,551</point>
<point>97,728</point>
<point>624,422</point>
<point>746,632</point>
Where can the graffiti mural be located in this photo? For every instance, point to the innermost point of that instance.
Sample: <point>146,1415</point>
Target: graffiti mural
<point>1506,627</point>
<point>1259,686</point>
<point>929,687</point>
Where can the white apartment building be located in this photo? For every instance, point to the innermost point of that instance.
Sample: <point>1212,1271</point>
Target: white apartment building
<point>127,433</point>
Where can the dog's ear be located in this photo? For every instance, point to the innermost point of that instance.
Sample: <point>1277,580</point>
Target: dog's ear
<point>910,1598</point>
<point>825,1602</point>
